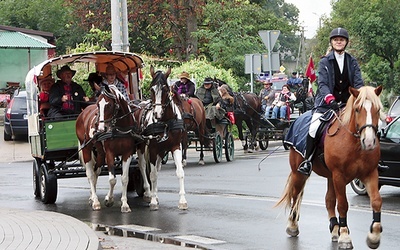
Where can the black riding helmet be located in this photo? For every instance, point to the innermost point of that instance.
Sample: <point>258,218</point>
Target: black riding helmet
<point>341,32</point>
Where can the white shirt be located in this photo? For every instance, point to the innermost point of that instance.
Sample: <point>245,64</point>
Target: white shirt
<point>340,60</point>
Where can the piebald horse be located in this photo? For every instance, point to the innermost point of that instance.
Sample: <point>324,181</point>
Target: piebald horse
<point>161,123</point>
<point>350,150</point>
<point>104,131</point>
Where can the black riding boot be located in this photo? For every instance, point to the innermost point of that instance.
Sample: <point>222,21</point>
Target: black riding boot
<point>306,166</point>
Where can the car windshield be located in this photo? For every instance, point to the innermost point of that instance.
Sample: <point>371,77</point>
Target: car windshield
<point>393,131</point>
<point>395,109</point>
<point>277,85</point>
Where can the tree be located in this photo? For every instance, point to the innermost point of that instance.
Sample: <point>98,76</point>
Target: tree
<point>230,30</point>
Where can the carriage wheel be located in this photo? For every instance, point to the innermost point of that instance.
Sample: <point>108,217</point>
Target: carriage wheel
<point>36,177</point>
<point>263,141</point>
<point>165,158</point>
<point>48,185</point>
<point>285,131</point>
<point>229,147</point>
<point>217,148</point>
<point>358,187</point>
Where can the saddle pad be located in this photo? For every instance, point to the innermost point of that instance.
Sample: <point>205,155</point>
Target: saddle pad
<point>297,135</point>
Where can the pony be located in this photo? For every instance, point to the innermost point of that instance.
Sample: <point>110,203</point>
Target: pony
<point>160,122</point>
<point>247,108</point>
<point>194,118</point>
<point>350,150</point>
<point>104,132</point>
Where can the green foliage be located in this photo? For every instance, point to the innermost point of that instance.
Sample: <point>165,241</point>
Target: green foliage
<point>198,69</point>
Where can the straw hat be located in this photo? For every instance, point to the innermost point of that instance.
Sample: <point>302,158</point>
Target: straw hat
<point>184,75</point>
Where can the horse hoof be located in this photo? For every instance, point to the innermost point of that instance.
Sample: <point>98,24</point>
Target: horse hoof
<point>125,209</point>
<point>154,207</point>
<point>109,203</point>
<point>183,206</point>
<point>96,206</point>
<point>345,245</point>
<point>373,244</point>
<point>201,162</point>
<point>249,150</point>
<point>292,231</point>
<point>146,198</point>
<point>184,163</point>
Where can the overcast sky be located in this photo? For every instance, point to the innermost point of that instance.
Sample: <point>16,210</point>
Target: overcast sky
<point>310,12</point>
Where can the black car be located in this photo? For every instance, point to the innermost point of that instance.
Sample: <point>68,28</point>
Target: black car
<point>15,117</point>
<point>390,151</point>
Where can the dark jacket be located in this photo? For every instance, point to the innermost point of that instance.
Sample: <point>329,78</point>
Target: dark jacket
<point>326,78</point>
<point>56,93</point>
<point>201,92</point>
<point>187,88</point>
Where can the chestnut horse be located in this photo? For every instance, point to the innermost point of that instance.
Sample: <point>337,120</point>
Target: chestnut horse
<point>194,117</point>
<point>161,124</point>
<point>104,131</point>
<point>350,150</point>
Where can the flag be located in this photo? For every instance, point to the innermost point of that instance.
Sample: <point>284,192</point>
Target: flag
<point>310,72</point>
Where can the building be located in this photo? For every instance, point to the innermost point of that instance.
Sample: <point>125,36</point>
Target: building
<point>20,50</point>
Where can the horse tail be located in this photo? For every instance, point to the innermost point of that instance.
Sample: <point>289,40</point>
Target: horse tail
<point>289,196</point>
<point>286,198</point>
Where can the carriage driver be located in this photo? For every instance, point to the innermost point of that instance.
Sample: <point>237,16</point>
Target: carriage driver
<point>338,70</point>
<point>211,98</point>
<point>66,97</point>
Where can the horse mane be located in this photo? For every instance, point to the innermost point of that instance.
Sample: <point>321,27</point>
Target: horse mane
<point>364,93</point>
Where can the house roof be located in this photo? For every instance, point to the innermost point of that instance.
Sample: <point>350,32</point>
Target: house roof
<point>44,34</point>
<point>11,39</point>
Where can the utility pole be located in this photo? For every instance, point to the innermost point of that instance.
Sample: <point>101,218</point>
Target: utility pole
<point>119,25</point>
<point>300,54</point>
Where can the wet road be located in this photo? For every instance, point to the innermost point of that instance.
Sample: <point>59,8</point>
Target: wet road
<point>231,205</point>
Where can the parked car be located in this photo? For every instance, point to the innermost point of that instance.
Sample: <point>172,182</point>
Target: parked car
<point>15,117</point>
<point>394,110</point>
<point>390,151</point>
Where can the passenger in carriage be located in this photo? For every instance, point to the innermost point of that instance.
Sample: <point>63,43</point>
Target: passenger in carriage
<point>280,102</point>
<point>211,99</point>
<point>184,87</point>
<point>45,86</point>
<point>66,96</point>
<point>112,79</point>
<point>227,101</point>
<point>267,96</point>
<point>95,81</point>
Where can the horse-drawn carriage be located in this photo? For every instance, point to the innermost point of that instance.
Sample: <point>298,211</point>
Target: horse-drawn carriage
<point>54,144</point>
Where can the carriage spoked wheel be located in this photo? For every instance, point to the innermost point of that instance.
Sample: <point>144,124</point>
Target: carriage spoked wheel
<point>217,148</point>
<point>36,177</point>
<point>48,184</point>
<point>263,141</point>
<point>229,147</point>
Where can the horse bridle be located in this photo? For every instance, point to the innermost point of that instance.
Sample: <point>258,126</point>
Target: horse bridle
<point>359,130</point>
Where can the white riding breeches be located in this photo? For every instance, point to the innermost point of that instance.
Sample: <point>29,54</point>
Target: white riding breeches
<point>315,122</point>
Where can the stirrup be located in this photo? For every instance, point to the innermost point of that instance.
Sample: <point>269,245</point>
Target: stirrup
<point>305,167</point>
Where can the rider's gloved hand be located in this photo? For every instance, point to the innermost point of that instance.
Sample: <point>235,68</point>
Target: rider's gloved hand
<point>334,105</point>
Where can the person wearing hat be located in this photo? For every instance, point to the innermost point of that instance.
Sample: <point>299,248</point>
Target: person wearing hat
<point>112,79</point>
<point>95,81</point>
<point>294,81</point>
<point>211,99</point>
<point>66,96</point>
<point>184,87</point>
<point>337,71</point>
<point>267,95</point>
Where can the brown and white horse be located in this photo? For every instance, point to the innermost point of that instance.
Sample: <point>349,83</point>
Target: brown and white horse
<point>161,124</point>
<point>351,150</point>
<point>104,132</point>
